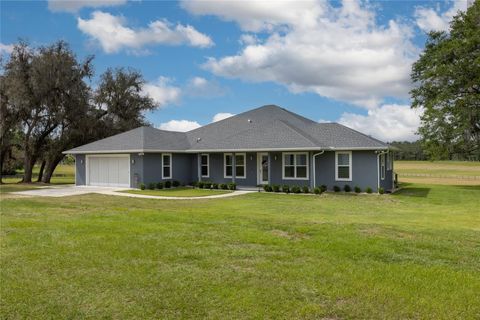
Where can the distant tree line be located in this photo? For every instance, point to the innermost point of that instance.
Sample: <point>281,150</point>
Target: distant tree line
<point>48,105</point>
<point>447,89</point>
<point>405,150</point>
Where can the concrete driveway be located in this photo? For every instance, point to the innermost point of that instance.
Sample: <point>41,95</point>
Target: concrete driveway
<point>65,191</point>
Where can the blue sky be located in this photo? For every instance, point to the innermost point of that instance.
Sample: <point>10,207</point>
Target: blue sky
<point>347,62</point>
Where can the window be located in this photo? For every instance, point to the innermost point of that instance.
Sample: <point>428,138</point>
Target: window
<point>227,165</point>
<point>390,161</point>
<point>240,167</point>
<point>204,165</point>
<point>166,166</point>
<point>382,166</point>
<point>295,165</point>
<point>343,166</point>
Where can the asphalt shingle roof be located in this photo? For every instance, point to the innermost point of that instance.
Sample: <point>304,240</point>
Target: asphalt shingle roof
<point>265,128</point>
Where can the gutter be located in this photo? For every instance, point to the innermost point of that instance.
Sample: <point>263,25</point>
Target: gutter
<point>314,157</point>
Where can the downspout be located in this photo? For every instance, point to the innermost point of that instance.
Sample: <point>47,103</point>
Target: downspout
<point>313,160</point>
<point>379,153</point>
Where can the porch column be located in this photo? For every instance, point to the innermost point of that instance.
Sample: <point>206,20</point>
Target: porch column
<point>269,163</point>
<point>234,169</point>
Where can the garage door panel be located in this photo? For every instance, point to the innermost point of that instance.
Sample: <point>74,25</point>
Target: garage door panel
<point>109,171</point>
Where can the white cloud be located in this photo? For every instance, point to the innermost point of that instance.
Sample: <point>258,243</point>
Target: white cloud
<point>388,123</point>
<point>221,116</point>
<point>201,87</point>
<point>179,125</point>
<point>6,48</point>
<point>311,46</point>
<point>162,92</point>
<point>429,19</point>
<point>113,35</point>
<point>75,5</point>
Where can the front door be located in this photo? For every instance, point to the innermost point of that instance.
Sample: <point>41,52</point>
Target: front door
<point>262,165</point>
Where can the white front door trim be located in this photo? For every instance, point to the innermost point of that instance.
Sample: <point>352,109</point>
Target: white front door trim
<point>260,168</point>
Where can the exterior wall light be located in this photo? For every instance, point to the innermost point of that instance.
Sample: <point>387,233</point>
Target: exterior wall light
<point>133,161</point>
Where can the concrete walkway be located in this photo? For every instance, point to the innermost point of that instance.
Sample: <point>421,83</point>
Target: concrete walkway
<point>66,191</point>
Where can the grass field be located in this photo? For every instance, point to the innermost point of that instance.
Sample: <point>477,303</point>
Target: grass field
<point>179,192</point>
<point>439,172</point>
<point>414,254</point>
<point>64,174</point>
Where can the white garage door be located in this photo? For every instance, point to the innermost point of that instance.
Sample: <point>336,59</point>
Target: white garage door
<point>108,171</point>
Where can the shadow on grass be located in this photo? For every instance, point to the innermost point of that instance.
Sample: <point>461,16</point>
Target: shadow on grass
<point>413,192</point>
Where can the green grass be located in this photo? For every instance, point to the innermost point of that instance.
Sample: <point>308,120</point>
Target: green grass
<point>64,174</point>
<point>179,192</point>
<point>415,254</point>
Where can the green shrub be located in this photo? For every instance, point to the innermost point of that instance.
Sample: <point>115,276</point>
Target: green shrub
<point>207,185</point>
<point>232,186</point>
<point>286,188</point>
<point>276,188</point>
<point>347,188</point>
<point>159,185</point>
<point>306,189</point>
<point>223,186</point>
<point>323,188</point>
<point>267,188</point>
<point>175,183</point>
<point>369,190</point>
<point>193,184</point>
<point>358,189</point>
<point>296,189</point>
<point>200,184</point>
<point>381,190</point>
<point>317,190</point>
<point>168,184</point>
<point>151,186</point>
<point>142,186</point>
<point>336,188</point>
<point>214,185</point>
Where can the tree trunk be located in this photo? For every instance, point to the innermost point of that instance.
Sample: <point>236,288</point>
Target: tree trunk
<point>28,167</point>
<point>50,168</point>
<point>40,173</point>
<point>2,160</point>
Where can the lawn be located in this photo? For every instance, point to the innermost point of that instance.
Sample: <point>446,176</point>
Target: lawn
<point>179,192</point>
<point>439,172</point>
<point>414,254</point>
<point>64,174</point>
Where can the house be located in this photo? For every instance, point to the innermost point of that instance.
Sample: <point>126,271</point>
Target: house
<point>267,145</point>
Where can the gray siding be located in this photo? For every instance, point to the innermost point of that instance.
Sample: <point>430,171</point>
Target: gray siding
<point>80,177</point>
<point>387,183</point>
<point>364,164</point>
<point>181,168</point>
<point>136,170</point>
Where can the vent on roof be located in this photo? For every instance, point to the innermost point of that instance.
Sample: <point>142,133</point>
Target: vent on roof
<point>249,120</point>
<point>199,139</point>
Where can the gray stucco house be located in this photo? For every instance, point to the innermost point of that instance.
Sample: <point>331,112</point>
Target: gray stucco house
<point>267,145</point>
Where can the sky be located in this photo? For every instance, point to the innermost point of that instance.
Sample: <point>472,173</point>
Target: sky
<point>330,61</point>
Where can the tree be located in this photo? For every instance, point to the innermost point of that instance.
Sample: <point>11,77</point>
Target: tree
<point>120,100</point>
<point>447,87</point>
<point>44,86</point>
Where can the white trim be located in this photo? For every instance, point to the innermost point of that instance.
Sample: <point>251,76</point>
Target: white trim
<point>314,164</point>
<point>87,167</point>
<point>234,164</point>
<point>350,158</point>
<point>208,165</point>
<point>170,166</point>
<point>223,150</point>
<point>260,168</point>
<point>295,166</point>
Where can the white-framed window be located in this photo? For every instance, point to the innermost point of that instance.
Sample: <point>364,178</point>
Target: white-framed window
<point>390,161</point>
<point>382,166</point>
<point>227,165</point>
<point>343,166</point>
<point>240,165</point>
<point>166,165</point>
<point>295,165</point>
<point>204,165</point>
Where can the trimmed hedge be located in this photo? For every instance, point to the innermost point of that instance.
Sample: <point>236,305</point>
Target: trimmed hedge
<point>151,186</point>
<point>336,188</point>
<point>232,186</point>
<point>142,186</point>
<point>159,185</point>
<point>317,190</point>
<point>296,189</point>
<point>276,188</point>
<point>168,184</point>
<point>347,188</point>
<point>223,186</point>
<point>358,189</point>
<point>369,190</point>
<point>381,190</point>
<point>286,188</point>
<point>306,189</point>
<point>175,183</point>
<point>323,188</point>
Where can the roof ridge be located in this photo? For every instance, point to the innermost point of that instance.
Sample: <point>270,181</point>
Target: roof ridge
<point>302,133</point>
